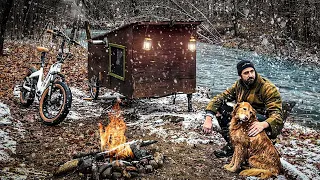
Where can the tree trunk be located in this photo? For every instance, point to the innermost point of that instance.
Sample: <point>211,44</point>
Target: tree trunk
<point>306,23</point>
<point>134,9</point>
<point>235,17</point>
<point>26,18</point>
<point>74,29</point>
<point>5,17</point>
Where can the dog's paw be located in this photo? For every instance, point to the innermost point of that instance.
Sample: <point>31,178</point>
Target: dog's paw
<point>230,168</point>
<point>233,169</point>
<point>227,166</point>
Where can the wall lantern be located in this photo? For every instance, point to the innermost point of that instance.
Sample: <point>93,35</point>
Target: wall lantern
<point>147,44</point>
<point>192,44</point>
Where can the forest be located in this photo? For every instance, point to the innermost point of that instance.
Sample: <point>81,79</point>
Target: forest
<point>281,37</point>
<point>284,26</point>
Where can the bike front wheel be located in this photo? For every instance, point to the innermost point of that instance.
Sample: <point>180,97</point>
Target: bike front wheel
<point>55,108</point>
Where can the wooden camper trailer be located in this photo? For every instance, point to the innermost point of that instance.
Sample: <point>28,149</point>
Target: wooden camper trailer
<point>126,64</point>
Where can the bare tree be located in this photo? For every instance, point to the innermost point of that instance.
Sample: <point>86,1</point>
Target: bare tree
<point>5,16</point>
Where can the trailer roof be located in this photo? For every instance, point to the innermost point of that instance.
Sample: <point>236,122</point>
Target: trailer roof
<point>171,23</point>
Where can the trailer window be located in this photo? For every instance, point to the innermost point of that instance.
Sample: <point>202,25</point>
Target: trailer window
<point>117,61</point>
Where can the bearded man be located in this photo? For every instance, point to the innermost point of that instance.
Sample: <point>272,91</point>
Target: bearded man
<point>251,87</point>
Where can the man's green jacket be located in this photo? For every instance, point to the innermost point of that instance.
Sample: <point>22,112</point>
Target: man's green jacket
<point>262,95</point>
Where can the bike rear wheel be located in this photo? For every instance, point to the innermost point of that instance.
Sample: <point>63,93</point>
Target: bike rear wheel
<point>54,109</point>
<point>27,97</point>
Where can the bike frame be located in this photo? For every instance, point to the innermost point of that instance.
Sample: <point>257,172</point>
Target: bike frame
<point>42,83</point>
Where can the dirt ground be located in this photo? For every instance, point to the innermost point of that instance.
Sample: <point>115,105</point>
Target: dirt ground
<point>43,149</point>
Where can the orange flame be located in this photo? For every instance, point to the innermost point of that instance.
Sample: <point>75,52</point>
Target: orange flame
<point>113,138</point>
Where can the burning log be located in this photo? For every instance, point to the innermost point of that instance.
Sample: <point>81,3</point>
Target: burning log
<point>130,158</point>
<point>100,164</point>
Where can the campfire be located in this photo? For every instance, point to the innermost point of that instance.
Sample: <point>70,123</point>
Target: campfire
<point>113,137</point>
<point>116,158</point>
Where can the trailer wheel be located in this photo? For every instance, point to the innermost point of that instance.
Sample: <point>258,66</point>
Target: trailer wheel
<point>94,87</point>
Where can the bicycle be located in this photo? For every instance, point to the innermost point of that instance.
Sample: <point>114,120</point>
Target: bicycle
<point>53,93</point>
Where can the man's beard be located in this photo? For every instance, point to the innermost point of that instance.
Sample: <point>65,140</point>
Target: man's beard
<point>249,81</point>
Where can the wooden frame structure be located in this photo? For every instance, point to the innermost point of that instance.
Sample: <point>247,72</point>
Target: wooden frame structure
<point>122,64</point>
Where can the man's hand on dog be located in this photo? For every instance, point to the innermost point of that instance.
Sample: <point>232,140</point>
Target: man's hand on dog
<point>257,127</point>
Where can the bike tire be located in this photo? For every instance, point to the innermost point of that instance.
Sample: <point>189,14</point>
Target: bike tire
<point>63,108</point>
<point>26,100</point>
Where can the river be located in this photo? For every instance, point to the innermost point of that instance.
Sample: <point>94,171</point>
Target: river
<point>216,69</point>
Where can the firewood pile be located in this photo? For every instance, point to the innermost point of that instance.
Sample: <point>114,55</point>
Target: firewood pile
<point>105,165</point>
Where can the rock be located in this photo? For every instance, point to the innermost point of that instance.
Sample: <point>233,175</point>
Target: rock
<point>153,163</point>
<point>103,167</point>
<point>142,170</point>
<point>158,157</point>
<point>159,121</point>
<point>116,175</point>
<point>149,168</point>
<point>134,174</point>
<point>131,168</point>
<point>107,173</point>
<point>176,119</point>
<point>173,119</point>
<point>126,174</point>
<point>144,161</point>
<point>118,166</point>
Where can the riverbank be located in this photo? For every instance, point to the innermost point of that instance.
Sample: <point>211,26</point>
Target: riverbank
<point>278,48</point>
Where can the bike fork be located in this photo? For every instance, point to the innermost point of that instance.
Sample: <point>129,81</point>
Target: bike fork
<point>50,92</point>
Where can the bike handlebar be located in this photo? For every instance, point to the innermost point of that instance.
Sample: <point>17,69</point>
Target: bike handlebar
<point>61,34</point>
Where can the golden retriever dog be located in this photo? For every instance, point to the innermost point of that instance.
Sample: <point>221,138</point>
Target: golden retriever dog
<point>258,151</point>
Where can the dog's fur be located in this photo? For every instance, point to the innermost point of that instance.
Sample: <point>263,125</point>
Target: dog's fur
<point>258,151</point>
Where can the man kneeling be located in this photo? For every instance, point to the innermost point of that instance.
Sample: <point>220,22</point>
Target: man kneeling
<point>263,96</point>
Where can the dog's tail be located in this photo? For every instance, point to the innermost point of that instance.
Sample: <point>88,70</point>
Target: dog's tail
<point>263,173</point>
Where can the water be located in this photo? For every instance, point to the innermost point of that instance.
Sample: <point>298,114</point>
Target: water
<point>216,69</point>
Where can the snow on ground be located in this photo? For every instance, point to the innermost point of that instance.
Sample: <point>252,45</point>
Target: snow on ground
<point>83,109</point>
<point>154,114</point>
<point>80,108</point>
<point>7,143</point>
<point>302,149</point>
<point>8,127</point>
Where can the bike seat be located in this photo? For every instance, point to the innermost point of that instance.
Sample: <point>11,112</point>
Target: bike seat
<point>42,49</point>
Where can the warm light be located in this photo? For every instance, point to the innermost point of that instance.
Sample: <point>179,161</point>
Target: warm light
<point>113,138</point>
<point>192,44</point>
<point>147,44</point>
